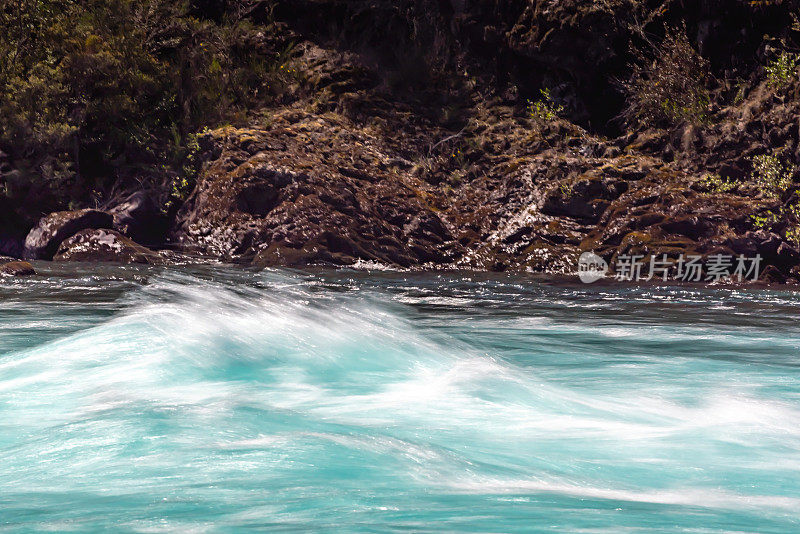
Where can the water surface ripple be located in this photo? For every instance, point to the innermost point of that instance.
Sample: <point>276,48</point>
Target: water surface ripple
<point>216,399</point>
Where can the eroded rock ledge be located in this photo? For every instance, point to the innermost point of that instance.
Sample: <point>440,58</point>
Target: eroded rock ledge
<point>312,189</point>
<point>321,188</point>
<point>352,165</point>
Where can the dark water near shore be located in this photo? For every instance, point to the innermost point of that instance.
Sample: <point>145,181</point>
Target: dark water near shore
<point>214,399</point>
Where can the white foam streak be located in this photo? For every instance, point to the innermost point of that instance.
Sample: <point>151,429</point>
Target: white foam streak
<point>691,497</point>
<point>439,406</point>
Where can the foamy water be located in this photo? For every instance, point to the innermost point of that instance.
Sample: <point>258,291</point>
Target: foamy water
<point>214,399</point>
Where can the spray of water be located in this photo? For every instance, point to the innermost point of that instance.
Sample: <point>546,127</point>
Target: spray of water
<point>292,402</point>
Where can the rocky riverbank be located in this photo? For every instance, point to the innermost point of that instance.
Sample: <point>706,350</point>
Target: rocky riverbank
<point>459,169</point>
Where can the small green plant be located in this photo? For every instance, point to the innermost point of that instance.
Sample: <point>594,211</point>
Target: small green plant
<point>788,216</point>
<point>741,92</point>
<point>565,188</point>
<point>764,222</point>
<point>782,70</point>
<point>792,212</point>
<point>183,184</point>
<point>793,233</point>
<point>544,109</point>
<point>458,158</point>
<point>668,84</point>
<point>280,71</point>
<point>461,152</point>
<point>714,183</point>
<point>772,176</point>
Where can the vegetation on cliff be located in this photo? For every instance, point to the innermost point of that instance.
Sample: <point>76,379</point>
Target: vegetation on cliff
<point>96,95</point>
<point>669,85</point>
<point>524,131</point>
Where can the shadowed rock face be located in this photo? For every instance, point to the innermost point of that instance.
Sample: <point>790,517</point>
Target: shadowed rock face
<point>11,246</point>
<point>579,48</point>
<point>354,169</point>
<point>43,241</point>
<point>140,218</point>
<point>104,246</point>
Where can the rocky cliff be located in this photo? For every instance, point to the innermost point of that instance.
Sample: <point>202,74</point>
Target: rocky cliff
<point>499,135</point>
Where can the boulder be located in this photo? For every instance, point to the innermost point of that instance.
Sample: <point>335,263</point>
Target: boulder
<point>16,268</point>
<point>104,246</point>
<point>772,275</point>
<point>282,196</point>
<point>140,217</point>
<point>787,256</point>
<point>43,241</point>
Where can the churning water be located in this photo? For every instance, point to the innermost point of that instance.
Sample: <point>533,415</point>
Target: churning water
<point>214,399</point>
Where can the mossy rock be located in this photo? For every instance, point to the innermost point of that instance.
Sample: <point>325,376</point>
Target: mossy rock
<point>17,268</point>
<point>634,239</point>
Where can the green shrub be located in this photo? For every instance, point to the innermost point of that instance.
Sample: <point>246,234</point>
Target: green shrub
<point>544,109</point>
<point>183,183</point>
<point>714,183</point>
<point>792,214</point>
<point>793,233</point>
<point>764,222</point>
<point>785,219</point>
<point>668,85</point>
<point>788,216</point>
<point>566,189</point>
<point>782,70</point>
<point>771,176</point>
<point>94,91</point>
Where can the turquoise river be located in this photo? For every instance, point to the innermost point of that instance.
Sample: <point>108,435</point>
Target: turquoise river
<point>215,399</point>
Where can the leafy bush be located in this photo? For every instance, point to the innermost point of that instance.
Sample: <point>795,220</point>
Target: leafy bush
<point>544,109</point>
<point>793,233</point>
<point>668,85</point>
<point>793,228</point>
<point>782,70</point>
<point>566,189</point>
<point>96,91</point>
<point>787,216</point>
<point>764,222</point>
<point>714,183</point>
<point>772,176</point>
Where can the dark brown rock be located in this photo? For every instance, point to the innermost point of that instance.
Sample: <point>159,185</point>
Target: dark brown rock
<point>297,202</point>
<point>744,245</point>
<point>17,268</point>
<point>768,244</point>
<point>692,227</point>
<point>772,275</point>
<point>104,246</point>
<point>141,218</point>
<point>587,199</point>
<point>43,241</point>
<point>787,256</point>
